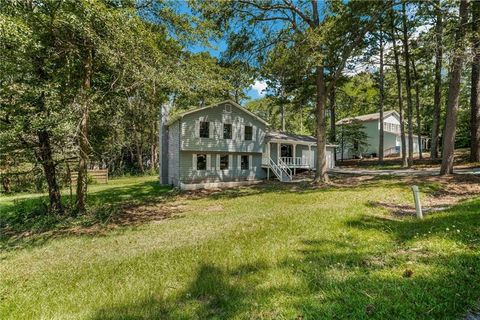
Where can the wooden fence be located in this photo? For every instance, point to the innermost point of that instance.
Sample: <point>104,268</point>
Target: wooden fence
<point>99,176</point>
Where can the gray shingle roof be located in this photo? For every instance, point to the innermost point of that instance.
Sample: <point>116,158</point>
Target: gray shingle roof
<point>367,117</point>
<point>280,135</point>
<point>287,136</point>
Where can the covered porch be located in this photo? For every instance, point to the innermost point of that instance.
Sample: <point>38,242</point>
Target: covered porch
<point>290,150</point>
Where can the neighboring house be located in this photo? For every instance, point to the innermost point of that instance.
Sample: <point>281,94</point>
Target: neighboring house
<point>227,145</point>
<point>392,142</point>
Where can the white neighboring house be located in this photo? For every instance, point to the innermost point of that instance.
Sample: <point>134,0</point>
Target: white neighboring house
<point>392,142</point>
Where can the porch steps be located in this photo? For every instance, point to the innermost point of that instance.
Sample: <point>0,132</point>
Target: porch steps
<point>281,170</point>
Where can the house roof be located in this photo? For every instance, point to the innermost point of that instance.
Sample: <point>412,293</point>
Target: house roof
<point>287,136</point>
<point>367,117</point>
<point>233,103</point>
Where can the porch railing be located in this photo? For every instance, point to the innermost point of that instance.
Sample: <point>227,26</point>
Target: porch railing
<point>295,162</point>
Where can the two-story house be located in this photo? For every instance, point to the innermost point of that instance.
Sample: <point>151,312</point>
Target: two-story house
<point>227,145</point>
<point>371,125</point>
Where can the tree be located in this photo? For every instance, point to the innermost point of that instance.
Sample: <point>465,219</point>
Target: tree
<point>353,137</point>
<point>475,83</point>
<point>438,80</point>
<point>399,87</point>
<point>382,98</point>
<point>453,91</point>
<point>65,62</point>
<point>417,108</point>
<point>408,83</point>
<point>34,119</point>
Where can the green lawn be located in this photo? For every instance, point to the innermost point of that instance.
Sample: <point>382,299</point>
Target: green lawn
<point>266,252</point>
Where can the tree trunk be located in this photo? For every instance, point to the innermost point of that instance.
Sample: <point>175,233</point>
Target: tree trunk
<point>408,84</point>
<point>153,147</point>
<point>321,175</point>
<point>417,108</point>
<point>438,82</point>
<point>399,91</point>
<point>382,99</point>
<point>7,188</point>
<point>283,116</point>
<point>83,134</point>
<point>46,159</point>
<point>139,152</point>
<point>475,94</point>
<point>453,93</point>
<point>332,98</point>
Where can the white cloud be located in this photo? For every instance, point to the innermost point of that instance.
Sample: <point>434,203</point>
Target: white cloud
<point>259,86</point>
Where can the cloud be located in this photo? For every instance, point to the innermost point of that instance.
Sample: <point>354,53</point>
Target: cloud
<point>260,87</point>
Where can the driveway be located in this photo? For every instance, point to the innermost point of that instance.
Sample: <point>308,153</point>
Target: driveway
<point>403,172</point>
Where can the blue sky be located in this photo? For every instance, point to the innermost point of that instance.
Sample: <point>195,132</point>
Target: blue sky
<point>255,92</point>
<point>216,49</point>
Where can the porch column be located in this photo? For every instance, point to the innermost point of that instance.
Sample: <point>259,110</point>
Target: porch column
<point>268,151</point>
<point>278,151</point>
<point>294,158</point>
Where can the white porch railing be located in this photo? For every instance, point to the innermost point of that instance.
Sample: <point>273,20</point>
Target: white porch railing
<point>295,162</point>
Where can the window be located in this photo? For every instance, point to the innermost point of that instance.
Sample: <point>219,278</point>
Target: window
<point>202,161</point>
<point>224,162</point>
<point>248,133</point>
<point>204,129</point>
<point>244,163</point>
<point>227,131</point>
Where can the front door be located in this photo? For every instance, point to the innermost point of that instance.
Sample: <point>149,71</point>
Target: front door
<point>286,151</point>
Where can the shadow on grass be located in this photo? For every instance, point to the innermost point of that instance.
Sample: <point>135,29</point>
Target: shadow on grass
<point>26,222</point>
<point>334,279</point>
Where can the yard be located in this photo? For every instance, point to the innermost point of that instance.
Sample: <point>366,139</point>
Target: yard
<point>351,250</point>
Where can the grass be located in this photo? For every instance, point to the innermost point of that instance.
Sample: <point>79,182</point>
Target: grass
<point>265,252</point>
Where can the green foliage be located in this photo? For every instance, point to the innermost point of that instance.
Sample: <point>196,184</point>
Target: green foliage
<point>352,136</point>
<point>139,63</point>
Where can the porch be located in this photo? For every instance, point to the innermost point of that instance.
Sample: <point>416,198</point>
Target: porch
<point>291,154</point>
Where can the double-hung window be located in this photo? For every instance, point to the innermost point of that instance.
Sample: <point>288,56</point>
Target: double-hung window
<point>227,131</point>
<point>248,133</point>
<point>204,129</point>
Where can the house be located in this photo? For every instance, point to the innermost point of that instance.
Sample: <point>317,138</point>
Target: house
<point>227,145</point>
<point>392,140</point>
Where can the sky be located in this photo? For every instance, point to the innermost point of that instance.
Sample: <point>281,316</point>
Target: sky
<point>257,90</point>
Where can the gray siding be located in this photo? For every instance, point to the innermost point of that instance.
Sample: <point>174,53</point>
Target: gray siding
<point>217,116</point>
<point>174,154</point>
<point>189,174</point>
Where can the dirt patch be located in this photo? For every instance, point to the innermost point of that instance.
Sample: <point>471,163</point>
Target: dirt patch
<point>215,208</point>
<point>448,191</point>
<point>132,215</point>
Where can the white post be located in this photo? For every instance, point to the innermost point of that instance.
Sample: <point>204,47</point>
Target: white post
<point>294,159</point>
<point>418,205</point>
<point>278,151</point>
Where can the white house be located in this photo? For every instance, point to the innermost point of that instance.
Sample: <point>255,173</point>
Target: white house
<point>392,141</point>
